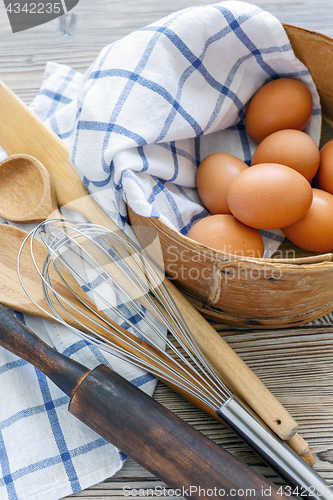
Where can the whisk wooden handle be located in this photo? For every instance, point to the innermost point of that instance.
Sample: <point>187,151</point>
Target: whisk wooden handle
<point>139,426</point>
<point>233,371</point>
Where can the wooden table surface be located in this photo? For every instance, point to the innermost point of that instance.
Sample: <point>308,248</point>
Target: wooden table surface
<point>296,365</point>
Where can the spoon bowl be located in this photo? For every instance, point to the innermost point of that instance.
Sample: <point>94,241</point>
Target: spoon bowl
<point>27,193</point>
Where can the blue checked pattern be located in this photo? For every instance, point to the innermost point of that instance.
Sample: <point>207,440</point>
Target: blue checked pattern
<point>139,122</point>
<point>155,103</point>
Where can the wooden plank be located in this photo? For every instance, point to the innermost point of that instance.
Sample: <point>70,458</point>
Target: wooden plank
<point>77,38</point>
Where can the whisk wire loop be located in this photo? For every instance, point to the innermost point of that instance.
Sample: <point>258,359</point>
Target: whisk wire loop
<point>157,291</point>
<point>56,238</point>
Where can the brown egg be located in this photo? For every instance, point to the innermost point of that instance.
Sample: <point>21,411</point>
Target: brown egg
<point>314,232</point>
<point>280,104</point>
<point>292,148</point>
<point>325,172</point>
<point>269,196</point>
<point>214,176</point>
<point>223,232</point>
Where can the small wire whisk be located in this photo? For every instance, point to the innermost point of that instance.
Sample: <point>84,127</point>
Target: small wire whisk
<point>95,280</point>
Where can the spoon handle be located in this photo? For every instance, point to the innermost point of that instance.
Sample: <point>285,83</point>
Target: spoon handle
<point>139,426</point>
<point>24,132</point>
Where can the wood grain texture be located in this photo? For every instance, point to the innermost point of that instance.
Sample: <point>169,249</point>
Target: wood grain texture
<point>76,38</point>
<point>296,365</point>
<point>66,373</point>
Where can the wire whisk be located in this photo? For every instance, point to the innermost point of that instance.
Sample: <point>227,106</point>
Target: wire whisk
<point>95,281</point>
<point>69,256</point>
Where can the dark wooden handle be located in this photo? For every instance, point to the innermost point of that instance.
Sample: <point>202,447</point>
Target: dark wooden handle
<point>18,339</point>
<point>163,443</point>
<point>139,426</point>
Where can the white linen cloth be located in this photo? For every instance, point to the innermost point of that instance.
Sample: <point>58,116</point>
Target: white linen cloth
<point>154,104</point>
<point>139,122</point>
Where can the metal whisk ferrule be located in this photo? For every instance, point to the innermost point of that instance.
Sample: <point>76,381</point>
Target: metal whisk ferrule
<point>275,452</point>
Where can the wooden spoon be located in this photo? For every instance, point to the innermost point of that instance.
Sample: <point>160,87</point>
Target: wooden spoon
<point>12,293</point>
<point>27,192</point>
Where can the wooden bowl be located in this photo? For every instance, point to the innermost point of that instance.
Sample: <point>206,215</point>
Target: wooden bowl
<point>265,293</point>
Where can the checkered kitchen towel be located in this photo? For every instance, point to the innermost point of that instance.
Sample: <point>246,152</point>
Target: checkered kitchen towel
<point>150,108</point>
<point>154,104</point>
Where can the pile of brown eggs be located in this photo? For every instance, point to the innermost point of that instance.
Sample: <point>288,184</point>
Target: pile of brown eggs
<point>275,192</point>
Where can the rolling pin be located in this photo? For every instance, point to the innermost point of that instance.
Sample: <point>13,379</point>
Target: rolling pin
<point>182,457</point>
<point>21,131</point>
